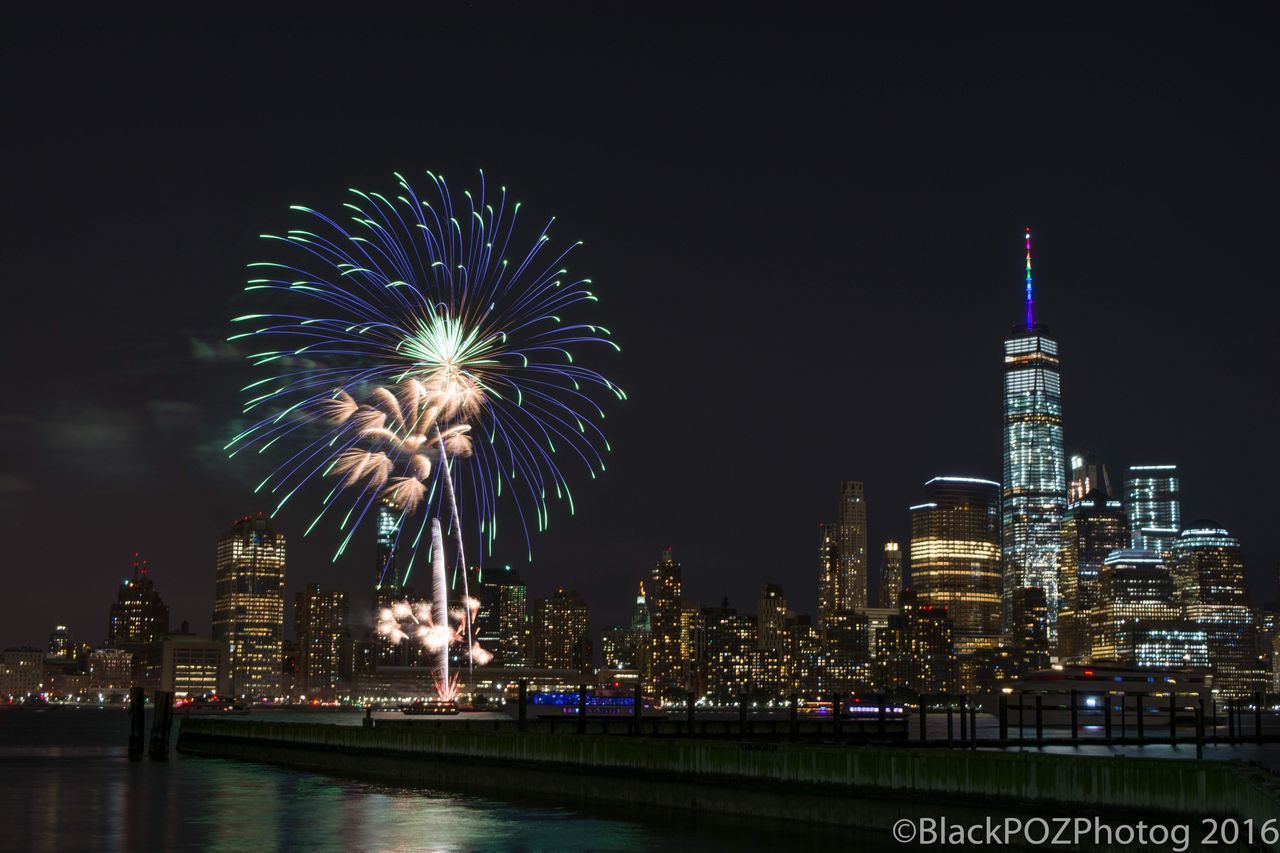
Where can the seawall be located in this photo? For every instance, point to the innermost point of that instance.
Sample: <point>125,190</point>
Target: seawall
<point>867,787</point>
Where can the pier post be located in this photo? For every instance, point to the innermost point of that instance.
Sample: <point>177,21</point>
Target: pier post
<point>1173,717</point>
<point>367,722</point>
<point>837,707</point>
<point>688,713</point>
<point>1004,720</point>
<point>880,717</point>
<point>637,711</point>
<point>964,701</point>
<point>1124,702</point>
<point>1039,719</point>
<point>1106,715</point>
<point>1142,717</point>
<point>1075,720</point>
<point>161,723</point>
<point>793,716</point>
<point>950,723</point>
<point>582,709</point>
<point>1257,716</point>
<point>742,714</point>
<point>137,722</point>
<point>1200,728</point>
<point>924,712</point>
<point>973,728</point>
<point>522,710</point>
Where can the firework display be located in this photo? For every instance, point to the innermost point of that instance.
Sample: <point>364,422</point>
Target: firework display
<point>420,362</point>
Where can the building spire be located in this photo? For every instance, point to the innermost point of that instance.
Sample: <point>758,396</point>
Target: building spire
<point>1030,302</point>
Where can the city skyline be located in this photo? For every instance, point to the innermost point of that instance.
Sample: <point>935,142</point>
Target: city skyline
<point>915,265</point>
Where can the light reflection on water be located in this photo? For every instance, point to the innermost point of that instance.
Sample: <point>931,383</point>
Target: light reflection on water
<point>66,784</point>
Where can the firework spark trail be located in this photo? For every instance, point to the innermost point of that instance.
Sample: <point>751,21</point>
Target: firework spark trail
<point>440,595</point>
<point>408,343</point>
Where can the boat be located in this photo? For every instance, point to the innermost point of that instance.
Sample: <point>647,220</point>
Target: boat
<point>431,707</point>
<point>1093,687</point>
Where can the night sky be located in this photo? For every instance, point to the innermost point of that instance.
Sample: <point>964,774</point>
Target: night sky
<point>806,235</point>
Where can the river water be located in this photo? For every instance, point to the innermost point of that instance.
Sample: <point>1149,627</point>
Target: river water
<point>66,784</point>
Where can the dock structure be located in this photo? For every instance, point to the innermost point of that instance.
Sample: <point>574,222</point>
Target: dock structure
<point>869,786</point>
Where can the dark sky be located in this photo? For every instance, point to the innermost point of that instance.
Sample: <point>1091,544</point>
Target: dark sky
<point>806,234</point>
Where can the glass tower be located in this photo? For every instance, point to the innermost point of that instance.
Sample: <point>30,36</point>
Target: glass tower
<point>1153,500</point>
<point>851,536</point>
<point>1092,528</point>
<point>248,610</point>
<point>1035,488</point>
<point>955,557</point>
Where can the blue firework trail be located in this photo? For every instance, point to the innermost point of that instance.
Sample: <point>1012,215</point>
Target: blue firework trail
<point>421,355</point>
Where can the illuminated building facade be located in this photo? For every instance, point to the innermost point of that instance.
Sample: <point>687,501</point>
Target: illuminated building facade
<point>324,640</point>
<point>829,576</point>
<point>1093,527</point>
<point>61,645</point>
<point>805,653</point>
<point>139,616</point>
<point>22,672</point>
<point>248,611</point>
<point>916,651</point>
<point>501,625</point>
<point>851,538</point>
<point>846,654</point>
<point>728,647</point>
<point>955,557</point>
<point>1034,463</point>
<point>890,575</point>
<point>1153,502</point>
<point>561,632</point>
<point>669,670</point>
<point>192,666</point>
<point>627,647</point>
<point>1135,595</point>
<point>1208,579</point>
<point>1087,474</point>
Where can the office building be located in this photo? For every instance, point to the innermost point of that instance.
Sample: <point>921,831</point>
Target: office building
<point>1093,527</point>
<point>830,589</point>
<point>1207,564</point>
<point>61,645</point>
<point>1153,502</point>
<point>324,641</point>
<point>891,580</point>
<point>1087,474</point>
<point>955,557</point>
<point>248,612</point>
<point>1034,495</point>
<point>139,616</point>
<point>668,661</point>
<point>501,624</point>
<point>1135,595</point>
<point>561,632</point>
<point>851,538</point>
<point>21,672</point>
<point>915,651</point>
<point>846,654</point>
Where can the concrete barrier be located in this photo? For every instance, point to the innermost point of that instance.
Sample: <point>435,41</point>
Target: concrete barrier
<point>786,780</point>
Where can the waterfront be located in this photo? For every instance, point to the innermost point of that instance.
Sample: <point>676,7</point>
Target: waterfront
<point>69,786</point>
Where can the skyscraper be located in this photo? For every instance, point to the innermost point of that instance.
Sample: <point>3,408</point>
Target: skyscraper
<point>248,610</point>
<point>1135,599</point>
<point>324,653</point>
<point>890,575</point>
<point>386,578</point>
<point>139,616</point>
<point>1035,488</point>
<point>668,663</point>
<point>1153,501</point>
<point>851,537</point>
<point>60,643</point>
<point>561,632</point>
<point>1087,474</point>
<point>829,583</point>
<point>1207,564</point>
<point>955,557</point>
<point>1093,527</point>
<point>502,623</point>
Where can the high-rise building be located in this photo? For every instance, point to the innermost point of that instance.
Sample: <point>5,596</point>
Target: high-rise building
<point>728,644</point>
<point>1207,564</point>
<point>324,640</point>
<point>830,589</point>
<point>61,646</point>
<point>851,538</point>
<point>139,616</point>
<point>1087,474</point>
<point>668,661</point>
<point>561,633</point>
<point>1153,502</point>
<point>627,647</point>
<point>805,653</point>
<point>21,672</point>
<point>955,557</point>
<point>248,610</point>
<point>1035,488</point>
<point>846,653</point>
<point>501,624</point>
<point>771,618</point>
<point>1093,527</point>
<point>891,580</point>
<point>915,651</point>
<point>1135,597</point>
